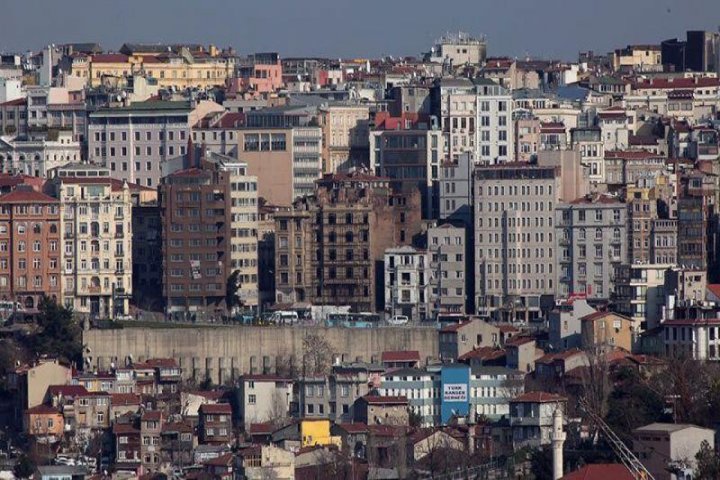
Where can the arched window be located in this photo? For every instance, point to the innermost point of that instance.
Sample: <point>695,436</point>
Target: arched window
<point>29,302</point>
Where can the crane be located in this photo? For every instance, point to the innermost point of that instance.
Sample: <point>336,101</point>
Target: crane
<point>626,456</point>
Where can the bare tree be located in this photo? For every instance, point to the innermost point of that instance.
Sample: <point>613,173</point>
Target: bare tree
<point>278,410</point>
<point>596,385</point>
<point>317,355</point>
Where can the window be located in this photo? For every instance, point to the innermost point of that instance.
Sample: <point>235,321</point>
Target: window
<point>252,399</point>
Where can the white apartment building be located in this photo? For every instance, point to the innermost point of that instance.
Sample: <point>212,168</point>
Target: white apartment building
<point>476,116</point>
<point>514,239</point>
<point>406,283</point>
<point>262,398</point>
<point>243,235</point>
<point>97,240</point>
<point>134,141</point>
<point>37,156</point>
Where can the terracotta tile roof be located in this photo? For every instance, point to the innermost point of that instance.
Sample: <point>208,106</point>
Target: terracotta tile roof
<point>109,58</point>
<point>645,140</point>
<point>385,400</point>
<point>551,357</point>
<point>152,416</point>
<point>27,196</point>
<point>600,471</point>
<point>518,340</point>
<point>676,83</point>
<point>14,103</point>
<point>508,328</point>
<point>538,397</point>
<point>401,356</point>
<point>216,408</point>
<point>264,428</point>
<point>182,427</point>
<point>93,394</point>
<point>188,172</point>
<point>483,353</point>
<point>714,288</point>
<point>124,399</point>
<point>157,363</point>
<point>221,461</point>
<point>353,427</point>
<point>42,410</point>
<point>125,428</point>
<point>66,390</point>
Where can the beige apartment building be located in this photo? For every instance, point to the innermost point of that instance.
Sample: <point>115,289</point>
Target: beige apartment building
<point>96,268</point>
<point>345,131</point>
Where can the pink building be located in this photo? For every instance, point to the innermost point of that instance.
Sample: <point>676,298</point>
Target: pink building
<point>259,73</point>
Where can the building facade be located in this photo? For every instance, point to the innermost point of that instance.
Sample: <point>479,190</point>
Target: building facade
<point>30,247</point>
<point>514,239</point>
<point>591,234</point>
<point>96,240</point>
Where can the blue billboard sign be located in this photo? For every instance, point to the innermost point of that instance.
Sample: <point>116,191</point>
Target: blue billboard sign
<point>454,391</point>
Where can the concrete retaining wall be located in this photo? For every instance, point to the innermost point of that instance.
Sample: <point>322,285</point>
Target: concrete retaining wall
<point>223,353</point>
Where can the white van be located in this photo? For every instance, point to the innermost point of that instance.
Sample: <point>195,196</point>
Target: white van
<point>399,320</point>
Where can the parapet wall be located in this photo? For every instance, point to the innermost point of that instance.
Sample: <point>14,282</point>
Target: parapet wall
<point>223,353</point>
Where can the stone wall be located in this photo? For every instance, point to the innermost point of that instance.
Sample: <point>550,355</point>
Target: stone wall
<point>223,353</point>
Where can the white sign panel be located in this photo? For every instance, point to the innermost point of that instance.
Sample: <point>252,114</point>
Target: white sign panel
<point>455,392</point>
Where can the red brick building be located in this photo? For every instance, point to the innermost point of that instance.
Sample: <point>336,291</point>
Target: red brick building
<point>29,246</point>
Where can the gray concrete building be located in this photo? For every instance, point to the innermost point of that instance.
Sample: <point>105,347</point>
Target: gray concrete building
<point>592,241</point>
<point>446,245</point>
<point>514,239</point>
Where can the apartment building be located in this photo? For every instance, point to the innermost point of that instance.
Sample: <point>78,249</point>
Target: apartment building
<point>286,160</point>
<point>345,131</point>
<point>96,240</point>
<point>135,141</point>
<point>640,293</point>
<point>38,156</point>
<point>514,239</point>
<point>406,283</point>
<point>408,149</point>
<point>209,230</point>
<point>170,65</point>
<point>30,246</point>
<point>476,116</point>
<point>339,236</point>
<point>263,398</point>
<point>447,254</point>
<point>660,446</point>
<point>696,211</point>
<point>592,241</point>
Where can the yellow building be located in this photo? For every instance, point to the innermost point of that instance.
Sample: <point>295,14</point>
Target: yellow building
<point>605,331</point>
<point>637,56</point>
<point>181,69</point>
<point>316,431</point>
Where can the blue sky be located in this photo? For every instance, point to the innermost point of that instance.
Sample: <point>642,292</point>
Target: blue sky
<point>540,28</point>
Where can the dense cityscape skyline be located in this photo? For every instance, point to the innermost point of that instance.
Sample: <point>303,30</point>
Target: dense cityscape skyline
<point>313,27</point>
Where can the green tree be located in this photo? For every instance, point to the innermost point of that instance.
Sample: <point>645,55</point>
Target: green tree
<point>708,463</point>
<point>58,334</point>
<point>24,468</point>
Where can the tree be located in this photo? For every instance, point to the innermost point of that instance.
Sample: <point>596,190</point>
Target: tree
<point>317,355</point>
<point>58,334</point>
<point>596,386</point>
<point>232,299</point>
<point>708,463</point>
<point>24,468</point>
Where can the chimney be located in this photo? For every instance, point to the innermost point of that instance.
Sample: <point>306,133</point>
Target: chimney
<point>557,438</point>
